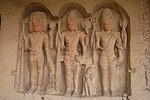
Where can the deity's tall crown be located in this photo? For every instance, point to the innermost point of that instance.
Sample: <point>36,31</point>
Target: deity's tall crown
<point>72,16</point>
<point>107,15</point>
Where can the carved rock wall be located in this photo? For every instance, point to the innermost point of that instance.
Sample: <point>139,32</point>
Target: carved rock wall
<point>132,79</point>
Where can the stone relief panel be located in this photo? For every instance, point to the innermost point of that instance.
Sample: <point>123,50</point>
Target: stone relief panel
<point>75,54</point>
<point>33,73</point>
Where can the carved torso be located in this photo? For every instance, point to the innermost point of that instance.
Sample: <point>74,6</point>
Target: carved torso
<point>107,42</point>
<point>36,42</point>
<point>71,41</point>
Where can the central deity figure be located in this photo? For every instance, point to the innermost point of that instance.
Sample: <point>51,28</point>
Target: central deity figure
<point>70,40</point>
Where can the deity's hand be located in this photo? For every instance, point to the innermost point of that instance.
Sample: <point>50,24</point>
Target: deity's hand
<point>63,48</point>
<point>77,58</point>
<point>119,61</point>
<point>80,59</point>
<point>32,49</point>
<point>99,48</point>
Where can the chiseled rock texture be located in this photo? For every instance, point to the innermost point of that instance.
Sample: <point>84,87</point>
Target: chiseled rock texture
<point>12,13</point>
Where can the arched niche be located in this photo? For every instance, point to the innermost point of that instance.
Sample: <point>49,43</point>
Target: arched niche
<point>71,6</point>
<point>81,13</point>
<point>37,7</point>
<point>22,73</point>
<point>33,7</point>
<point>118,13</point>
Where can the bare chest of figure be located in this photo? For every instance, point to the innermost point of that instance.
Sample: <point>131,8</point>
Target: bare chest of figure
<point>36,41</point>
<point>105,39</point>
<point>71,40</point>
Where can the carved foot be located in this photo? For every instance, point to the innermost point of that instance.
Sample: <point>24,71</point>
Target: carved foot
<point>107,93</point>
<point>42,92</point>
<point>76,93</point>
<point>53,91</point>
<point>32,89</point>
<point>59,92</point>
<point>38,91</point>
<point>69,92</point>
<point>84,94</point>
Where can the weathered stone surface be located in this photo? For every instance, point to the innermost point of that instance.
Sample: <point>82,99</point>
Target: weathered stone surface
<point>75,50</point>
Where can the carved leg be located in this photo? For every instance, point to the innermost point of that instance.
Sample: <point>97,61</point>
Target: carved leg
<point>69,75</point>
<point>84,90</point>
<point>77,73</point>
<point>40,77</point>
<point>40,74</point>
<point>113,78</point>
<point>34,78</point>
<point>105,80</point>
<point>69,82</point>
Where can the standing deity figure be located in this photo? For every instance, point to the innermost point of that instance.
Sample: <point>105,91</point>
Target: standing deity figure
<point>108,40</point>
<point>70,40</point>
<point>37,44</point>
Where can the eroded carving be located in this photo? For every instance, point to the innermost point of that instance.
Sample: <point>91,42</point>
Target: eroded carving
<point>37,38</point>
<point>70,39</point>
<point>107,40</point>
<point>79,61</point>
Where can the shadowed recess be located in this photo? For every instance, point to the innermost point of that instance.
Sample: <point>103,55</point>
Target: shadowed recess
<point>38,7</point>
<point>0,21</point>
<point>112,5</point>
<point>72,6</point>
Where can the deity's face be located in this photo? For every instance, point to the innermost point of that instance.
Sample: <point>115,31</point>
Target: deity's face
<point>71,25</point>
<point>36,24</point>
<point>36,27</point>
<point>107,26</point>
